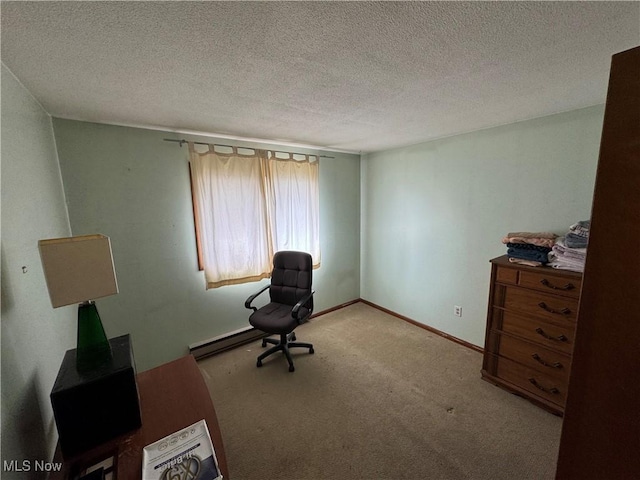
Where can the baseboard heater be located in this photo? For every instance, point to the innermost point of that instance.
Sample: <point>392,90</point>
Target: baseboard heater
<point>225,342</point>
<point>242,336</point>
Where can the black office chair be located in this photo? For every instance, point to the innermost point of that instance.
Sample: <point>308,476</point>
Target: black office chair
<point>291,303</point>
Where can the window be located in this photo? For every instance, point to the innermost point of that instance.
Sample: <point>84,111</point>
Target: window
<point>247,207</point>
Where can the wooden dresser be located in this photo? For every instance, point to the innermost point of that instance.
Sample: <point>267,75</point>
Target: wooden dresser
<point>531,324</point>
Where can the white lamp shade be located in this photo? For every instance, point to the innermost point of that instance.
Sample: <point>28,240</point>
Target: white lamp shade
<point>78,269</point>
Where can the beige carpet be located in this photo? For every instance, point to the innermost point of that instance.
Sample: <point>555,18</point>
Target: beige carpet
<point>380,399</point>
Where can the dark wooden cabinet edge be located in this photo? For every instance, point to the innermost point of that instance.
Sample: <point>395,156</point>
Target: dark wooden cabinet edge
<point>525,394</point>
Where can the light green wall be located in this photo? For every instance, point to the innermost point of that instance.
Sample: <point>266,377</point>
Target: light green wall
<point>131,185</point>
<point>34,335</point>
<point>434,214</point>
<point>410,229</point>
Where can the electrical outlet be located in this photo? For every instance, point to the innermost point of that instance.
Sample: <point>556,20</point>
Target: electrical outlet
<point>457,311</point>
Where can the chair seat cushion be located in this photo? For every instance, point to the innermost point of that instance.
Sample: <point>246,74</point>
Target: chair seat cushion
<point>276,318</point>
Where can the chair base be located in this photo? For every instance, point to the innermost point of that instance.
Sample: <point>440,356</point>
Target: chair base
<point>286,342</point>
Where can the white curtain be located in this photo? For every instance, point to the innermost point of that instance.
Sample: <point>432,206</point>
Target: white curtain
<point>231,216</point>
<point>247,207</point>
<point>294,205</point>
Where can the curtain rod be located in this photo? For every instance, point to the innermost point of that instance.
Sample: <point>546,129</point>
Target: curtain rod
<point>183,141</point>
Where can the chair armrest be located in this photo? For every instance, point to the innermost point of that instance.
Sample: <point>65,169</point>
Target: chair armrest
<point>247,303</point>
<point>296,307</point>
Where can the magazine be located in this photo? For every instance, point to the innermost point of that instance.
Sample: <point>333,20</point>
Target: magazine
<point>187,454</point>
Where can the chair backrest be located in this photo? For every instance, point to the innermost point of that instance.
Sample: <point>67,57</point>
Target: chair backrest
<point>291,278</point>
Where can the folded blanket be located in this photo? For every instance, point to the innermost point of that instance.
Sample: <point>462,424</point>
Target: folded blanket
<point>533,235</point>
<point>529,246</point>
<point>578,235</point>
<point>524,254</point>
<point>564,266</point>
<point>543,239</point>
<point>521,261</point>
<point>567,258</point>
<point>572,240</point>
<point>581,228</point>
<point>562,250</point>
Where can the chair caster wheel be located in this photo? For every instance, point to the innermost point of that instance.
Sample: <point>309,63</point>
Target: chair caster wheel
<point>311,350</point>
<point>264,344</point>
<point>293,337</point>
<point>291,368</point>
<point>259,363</point>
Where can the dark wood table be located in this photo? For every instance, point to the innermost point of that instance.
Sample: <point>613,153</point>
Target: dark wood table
<point>172,396</point>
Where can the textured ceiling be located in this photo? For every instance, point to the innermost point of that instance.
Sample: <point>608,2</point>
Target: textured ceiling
<point>354,76</point>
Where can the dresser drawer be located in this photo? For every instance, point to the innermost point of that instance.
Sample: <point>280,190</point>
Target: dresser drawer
<point>507,275</point>
<point>556,337</point>
<point>531,380</point>
<point>540,305</point>
<point>554,284</point>
<point>548,362</point>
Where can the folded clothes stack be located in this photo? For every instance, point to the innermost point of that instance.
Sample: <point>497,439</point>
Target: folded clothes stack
<point>578,235</point>
<point>529,248</point>
<point>566,258</point>
<point>570,251</point>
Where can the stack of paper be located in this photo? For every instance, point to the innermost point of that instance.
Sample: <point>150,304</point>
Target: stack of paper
<point>186,454</point>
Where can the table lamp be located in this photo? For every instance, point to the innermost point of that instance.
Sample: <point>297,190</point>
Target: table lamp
<point>79,270</point>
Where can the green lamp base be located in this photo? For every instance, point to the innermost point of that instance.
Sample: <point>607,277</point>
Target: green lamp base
<point>93,349</point>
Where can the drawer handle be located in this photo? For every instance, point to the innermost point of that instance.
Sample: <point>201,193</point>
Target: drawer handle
<point>547,283</point>
<point>564,311</point>
<point>560,338</point>
<point>537,358</point>
<point>553,390</point>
